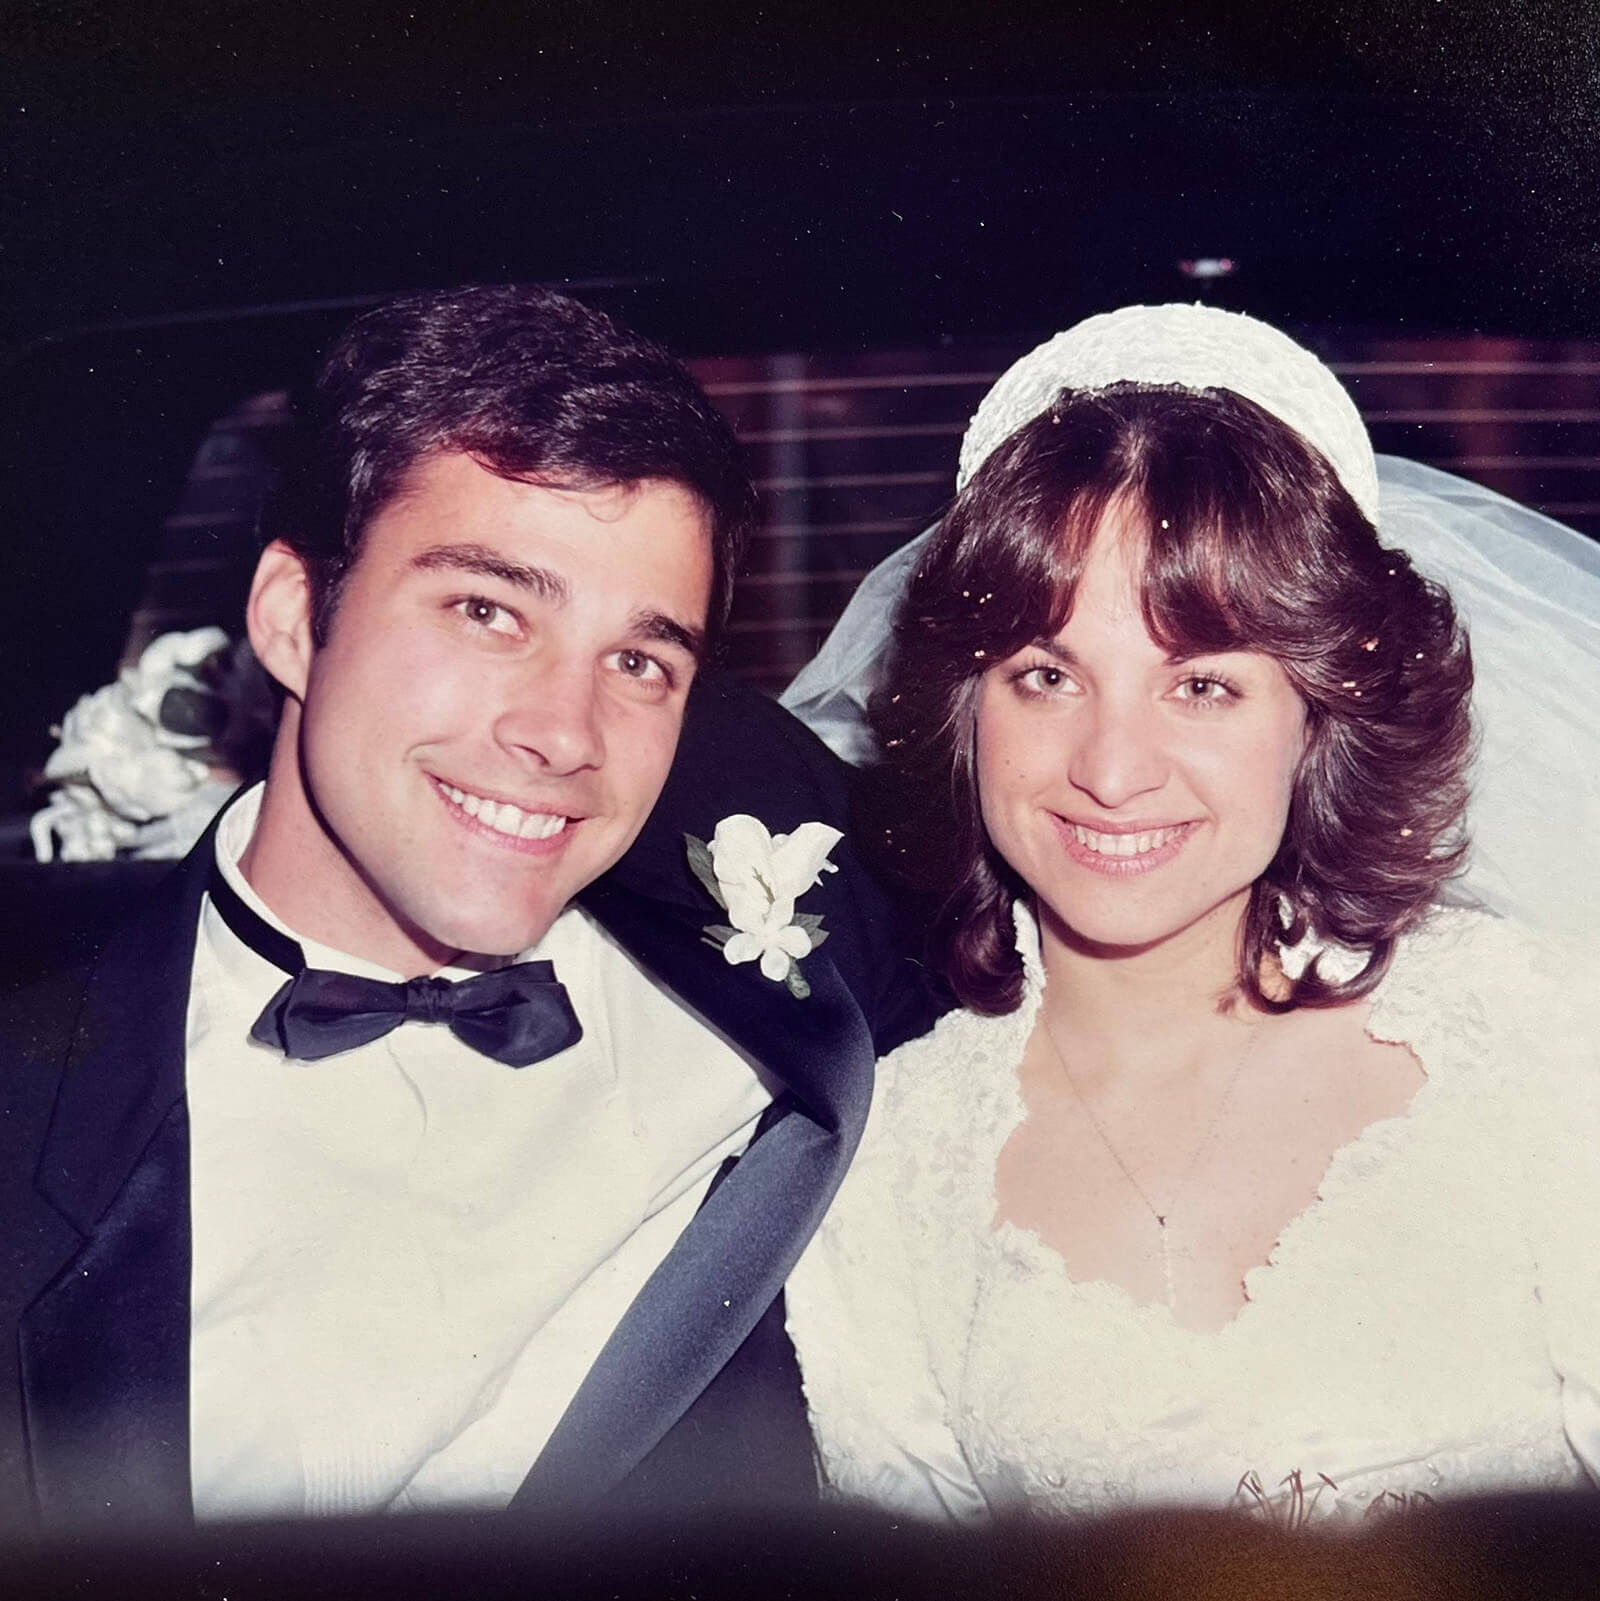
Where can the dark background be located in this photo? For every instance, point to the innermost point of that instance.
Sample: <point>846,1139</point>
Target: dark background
<point>801,168</point>
<point>198,194</point>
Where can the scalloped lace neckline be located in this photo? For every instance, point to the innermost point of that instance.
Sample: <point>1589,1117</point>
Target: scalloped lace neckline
<point>1012,1246</point>
<point>1022,1246</point>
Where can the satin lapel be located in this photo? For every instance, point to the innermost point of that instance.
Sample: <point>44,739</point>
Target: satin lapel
<point>726,1268</point>
<point>105,1348</point>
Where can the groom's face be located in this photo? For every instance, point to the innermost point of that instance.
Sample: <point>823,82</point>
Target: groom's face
<point>496,704</point>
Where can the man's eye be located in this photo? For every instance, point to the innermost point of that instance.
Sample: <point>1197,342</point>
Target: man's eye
<point>638,664</point>
<point>489,614</point>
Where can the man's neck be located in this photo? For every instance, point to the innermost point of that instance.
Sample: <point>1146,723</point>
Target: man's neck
<point>298,872</point>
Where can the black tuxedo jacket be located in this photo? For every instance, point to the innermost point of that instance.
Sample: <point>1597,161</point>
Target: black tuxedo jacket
<point>693,1401</point>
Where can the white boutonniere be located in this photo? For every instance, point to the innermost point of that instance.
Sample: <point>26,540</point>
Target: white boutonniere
<point>756,877</point>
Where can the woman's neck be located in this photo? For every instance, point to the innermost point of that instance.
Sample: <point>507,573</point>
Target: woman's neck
<point>1174,1000</point>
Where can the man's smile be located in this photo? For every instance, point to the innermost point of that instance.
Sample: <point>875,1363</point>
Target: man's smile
<point>509,822</point>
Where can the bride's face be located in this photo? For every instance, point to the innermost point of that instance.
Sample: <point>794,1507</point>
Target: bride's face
<point>1139,796</point>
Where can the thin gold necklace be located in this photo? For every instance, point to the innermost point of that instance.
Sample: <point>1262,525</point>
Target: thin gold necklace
<point>1179,1188</point>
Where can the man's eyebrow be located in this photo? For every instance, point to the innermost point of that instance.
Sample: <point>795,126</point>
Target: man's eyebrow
<point>552,587</point>
<point>486,563</point>
<point>667,630</point>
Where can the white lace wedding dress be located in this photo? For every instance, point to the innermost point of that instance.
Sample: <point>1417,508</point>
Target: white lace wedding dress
<point>1429,1325</point>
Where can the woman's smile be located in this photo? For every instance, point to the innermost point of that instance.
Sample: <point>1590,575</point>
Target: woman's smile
<point>1122,850</point>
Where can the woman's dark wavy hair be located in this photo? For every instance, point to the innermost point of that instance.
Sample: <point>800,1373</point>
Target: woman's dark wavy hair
<point>1252,543</point>
<point>534,386</point>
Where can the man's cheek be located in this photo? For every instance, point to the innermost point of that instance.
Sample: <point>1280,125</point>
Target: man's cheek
<point>430,694</point>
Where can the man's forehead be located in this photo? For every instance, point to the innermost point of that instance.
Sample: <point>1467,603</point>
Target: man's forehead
<point>607,499</point>
<point>457,515</point>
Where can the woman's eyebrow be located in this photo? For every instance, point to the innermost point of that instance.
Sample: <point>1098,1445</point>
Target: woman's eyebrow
<point>1053,647</point>
<point>486,563</point>
<point>1182,658</point>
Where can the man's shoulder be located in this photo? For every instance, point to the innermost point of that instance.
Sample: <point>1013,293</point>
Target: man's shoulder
<point>739,752</point>
<point>61,919</point>
<point>70,926</point>
<point>740,746</point>
<point>105,976</point>
<point>58,916</point>
<point>39,1014</point>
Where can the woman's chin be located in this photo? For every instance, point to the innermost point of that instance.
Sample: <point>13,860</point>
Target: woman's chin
<point>1123,933</point>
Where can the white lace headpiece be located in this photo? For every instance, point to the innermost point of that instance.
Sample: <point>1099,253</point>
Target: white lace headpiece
<point>1190,347</point>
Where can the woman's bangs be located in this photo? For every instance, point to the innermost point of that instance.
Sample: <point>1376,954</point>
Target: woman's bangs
<point>1195,591</point>
<point>1024,589</point>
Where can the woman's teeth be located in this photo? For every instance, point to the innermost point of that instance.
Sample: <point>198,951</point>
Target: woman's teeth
<point>1125,844</point>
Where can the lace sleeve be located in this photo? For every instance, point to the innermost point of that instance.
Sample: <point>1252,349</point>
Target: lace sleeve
<point>878,1409</point>
<point>1545,1068</point>
<point>1563,1197</point>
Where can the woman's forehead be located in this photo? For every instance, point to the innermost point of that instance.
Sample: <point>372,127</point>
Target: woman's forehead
<point>1112,576</point>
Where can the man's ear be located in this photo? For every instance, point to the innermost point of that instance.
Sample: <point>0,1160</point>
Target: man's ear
<point>278,617</point>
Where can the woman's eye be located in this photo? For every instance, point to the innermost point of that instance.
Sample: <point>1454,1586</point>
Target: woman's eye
<point>1044,678</point>
<point>1200,687</point>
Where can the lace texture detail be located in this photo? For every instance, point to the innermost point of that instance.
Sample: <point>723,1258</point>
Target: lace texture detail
<point>1427,1326</point>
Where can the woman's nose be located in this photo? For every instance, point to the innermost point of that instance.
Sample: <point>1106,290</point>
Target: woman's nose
<point>1118,753</point>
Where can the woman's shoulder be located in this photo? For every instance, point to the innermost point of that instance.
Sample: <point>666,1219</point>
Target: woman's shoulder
<point>968,1058</point>
<point>1468,989</point>
<point>949,1078</point>
<point>1464,955</point>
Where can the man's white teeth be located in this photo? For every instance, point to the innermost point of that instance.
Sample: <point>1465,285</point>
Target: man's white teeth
<point>1124,844</point>
<point>504,818</point>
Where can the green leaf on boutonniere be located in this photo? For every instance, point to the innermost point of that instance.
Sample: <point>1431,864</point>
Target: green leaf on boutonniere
<point>700,866</point>
<point>810,922</point>
<point>795,981</point>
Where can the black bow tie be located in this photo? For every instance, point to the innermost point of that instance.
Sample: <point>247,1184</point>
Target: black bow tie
<point>518,1014</point>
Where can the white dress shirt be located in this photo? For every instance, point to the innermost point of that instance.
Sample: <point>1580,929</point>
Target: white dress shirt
<point>407,1256</point>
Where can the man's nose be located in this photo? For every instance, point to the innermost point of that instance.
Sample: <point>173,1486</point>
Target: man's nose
<point>555,718</point>
<point>1119,753</point>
